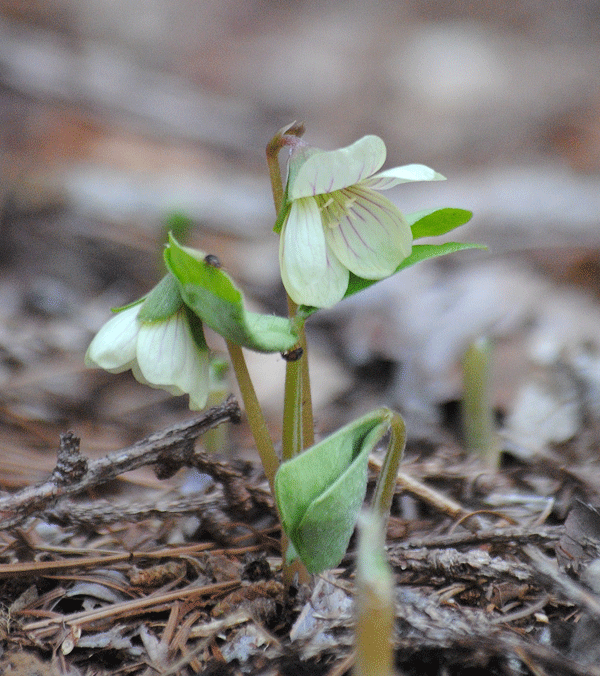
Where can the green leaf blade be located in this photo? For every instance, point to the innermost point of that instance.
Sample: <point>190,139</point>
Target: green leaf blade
<point>320,492</point>
<point>435,222</point>
<point>212,296</point>
<point>420,252</point>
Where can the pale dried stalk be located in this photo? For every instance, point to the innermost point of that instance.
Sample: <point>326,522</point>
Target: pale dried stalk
<point>116,611</point>
<point>432,497</point>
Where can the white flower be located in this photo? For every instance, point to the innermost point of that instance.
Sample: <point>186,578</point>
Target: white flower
<point>166,354</point>
<point>336,223</point>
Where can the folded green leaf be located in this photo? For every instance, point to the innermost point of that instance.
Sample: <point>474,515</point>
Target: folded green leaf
<point>320,492</point>
<point>434,222</point>
<point>210,293</point>
<point>420,252</point>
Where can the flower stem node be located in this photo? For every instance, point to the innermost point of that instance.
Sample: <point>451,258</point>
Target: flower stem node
<point>334,222</point>
<point>160,340</point>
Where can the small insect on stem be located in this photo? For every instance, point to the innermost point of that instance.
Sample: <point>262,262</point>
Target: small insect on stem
<point>212,260</point>
<point>293,355</point>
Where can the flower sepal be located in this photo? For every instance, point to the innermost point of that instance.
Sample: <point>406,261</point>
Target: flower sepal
<point>162,302</point>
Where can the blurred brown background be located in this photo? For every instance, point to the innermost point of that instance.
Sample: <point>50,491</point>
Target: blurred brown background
<point>116,115</point>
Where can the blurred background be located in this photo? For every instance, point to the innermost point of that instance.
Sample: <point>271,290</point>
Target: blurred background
<point>122,118</point>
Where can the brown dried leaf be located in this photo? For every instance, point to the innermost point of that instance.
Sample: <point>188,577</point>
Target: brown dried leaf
<point>263,589</point>
<point>159,575</point>
<point>580,542</point>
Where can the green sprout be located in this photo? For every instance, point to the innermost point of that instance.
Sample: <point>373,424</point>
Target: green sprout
<point>477,411</point>
<point>338,235</point>
<point>375,609</point>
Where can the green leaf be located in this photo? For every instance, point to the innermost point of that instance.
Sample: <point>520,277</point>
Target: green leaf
<point>320,492</point>
<point>434,222</point>
<point>420,252</point>
<point>211,294</point>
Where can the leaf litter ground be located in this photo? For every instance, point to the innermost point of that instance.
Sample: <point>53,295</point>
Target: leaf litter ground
<point>495,573</point>
<point>110,567</point>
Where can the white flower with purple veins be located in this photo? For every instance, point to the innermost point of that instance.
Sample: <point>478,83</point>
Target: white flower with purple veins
<point>167,353</point>
<point>334,221</point>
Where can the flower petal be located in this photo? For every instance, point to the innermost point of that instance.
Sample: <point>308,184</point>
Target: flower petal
<point>405,174</point>
<point>373,238</point>
<point>326,171</point>
<point>169,358</point>
<point>310,273</point>
<point>139,376</point>
<point>114,346</point>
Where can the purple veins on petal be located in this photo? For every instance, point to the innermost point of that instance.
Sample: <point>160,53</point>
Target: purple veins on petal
<point>373,238</point>
<point>352,227</point>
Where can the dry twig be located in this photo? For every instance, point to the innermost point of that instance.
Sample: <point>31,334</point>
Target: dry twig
<point>168,450</point>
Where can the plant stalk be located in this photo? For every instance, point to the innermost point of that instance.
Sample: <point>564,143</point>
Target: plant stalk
<point>386,483</point>
<point>298,431</point>
<point>284,137</point>
<point>298,425</point>
<point>256,419</point>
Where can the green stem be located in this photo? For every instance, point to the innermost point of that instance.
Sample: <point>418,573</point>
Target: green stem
<point>298,431</point>
<point>281,139</point>
<point>308,425</point>
<point>292,440</point>
<point>275,176</point>
<point>297,434</point>
<point>386,483</point>
<point>298,426</point>
<point>266,451</point>
<point>256,419</point>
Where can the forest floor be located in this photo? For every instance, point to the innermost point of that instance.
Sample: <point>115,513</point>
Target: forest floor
<point>128,545</point>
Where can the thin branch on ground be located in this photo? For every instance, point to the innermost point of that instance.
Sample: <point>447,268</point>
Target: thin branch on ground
<point>168,450</point>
